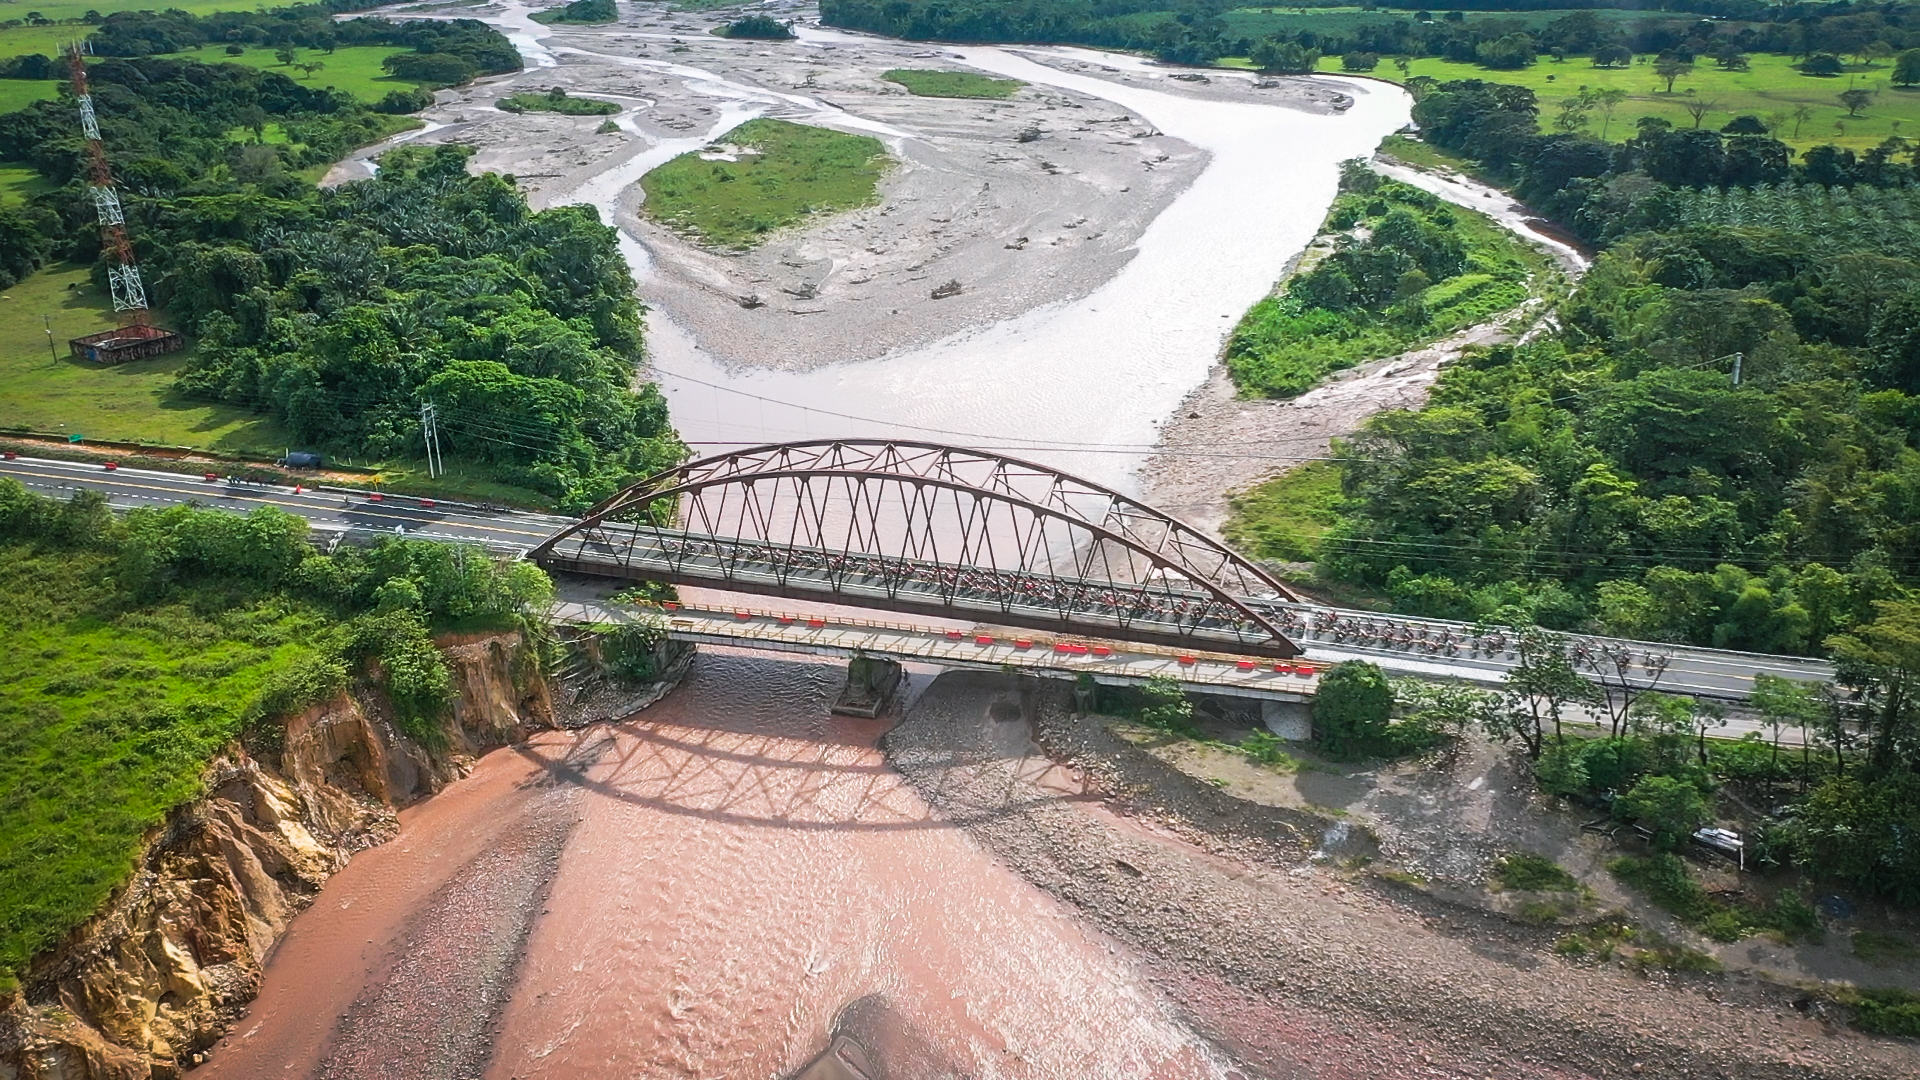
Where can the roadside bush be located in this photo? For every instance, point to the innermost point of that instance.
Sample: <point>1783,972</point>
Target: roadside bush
<point>1666,881</point>
<point>1352,710</point>
<point>417,681</point>
<point>1861,832</point>
<point>1166,705</point>
<point>1672,808</point>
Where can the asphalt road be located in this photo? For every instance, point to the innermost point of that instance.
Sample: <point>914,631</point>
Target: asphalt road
<point>343,512</point>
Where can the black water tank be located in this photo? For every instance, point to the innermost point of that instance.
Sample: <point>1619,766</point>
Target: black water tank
<point>300,461</point>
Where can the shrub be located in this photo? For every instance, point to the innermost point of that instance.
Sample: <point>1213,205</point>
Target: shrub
<point>1525,872</point>
<point>1861,833</point>
<point>1890,1011</point>
<point>398,102</point>
<point>1672,808</point>
<point>1166,705</point>
<point>759,27</point>
<point>1352,709</point>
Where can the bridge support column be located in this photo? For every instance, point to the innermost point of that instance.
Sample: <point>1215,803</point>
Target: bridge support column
<point>872,682</point>
<point>1291,720</point>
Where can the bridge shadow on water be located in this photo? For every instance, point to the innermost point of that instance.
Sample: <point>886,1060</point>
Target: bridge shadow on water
<point>748,740</point>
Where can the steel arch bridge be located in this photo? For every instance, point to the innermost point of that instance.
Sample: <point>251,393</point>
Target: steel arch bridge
<point>931,530</point>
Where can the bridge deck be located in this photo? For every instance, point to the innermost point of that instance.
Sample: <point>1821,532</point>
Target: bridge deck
<point>1120,662</point>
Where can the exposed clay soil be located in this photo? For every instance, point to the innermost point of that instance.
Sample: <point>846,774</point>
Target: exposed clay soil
<point>1299,968</point>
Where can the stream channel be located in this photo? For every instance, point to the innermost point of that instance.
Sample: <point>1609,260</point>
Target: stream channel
<point>716,887</point>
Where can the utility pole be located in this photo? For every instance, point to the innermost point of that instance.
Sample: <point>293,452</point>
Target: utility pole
<point>51,351</point>
<point>430,431</point>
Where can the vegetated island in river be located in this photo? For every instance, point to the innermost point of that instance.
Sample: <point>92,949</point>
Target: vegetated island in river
<point>580,13</point>
<point>923,82</point>
<point>761,176</point>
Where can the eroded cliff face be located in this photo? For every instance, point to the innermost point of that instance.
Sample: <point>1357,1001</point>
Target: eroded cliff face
<point>142,990</point>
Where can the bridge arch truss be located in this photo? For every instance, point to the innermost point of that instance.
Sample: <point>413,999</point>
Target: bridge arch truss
<point>929,529</point>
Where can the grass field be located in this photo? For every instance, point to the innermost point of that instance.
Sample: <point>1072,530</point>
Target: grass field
<point>50,40</point>
<point>107,717</point>
<point>1283,519</point>
<point>18,182</point>
<point>952,84</point>
<point>20,93</point>
<point>781,174</point>
<point>1259,22</point>
<point>355,70</point>
<point>1772,90</point>
<point>133,402</point>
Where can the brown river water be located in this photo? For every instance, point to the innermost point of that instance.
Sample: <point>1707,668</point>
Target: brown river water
<point>712,889</point>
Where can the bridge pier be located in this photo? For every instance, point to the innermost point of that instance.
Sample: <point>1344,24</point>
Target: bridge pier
<point>1290,720</point>
<point>872,682</point>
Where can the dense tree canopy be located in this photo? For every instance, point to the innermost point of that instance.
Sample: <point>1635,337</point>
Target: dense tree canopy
<point>340,312</point>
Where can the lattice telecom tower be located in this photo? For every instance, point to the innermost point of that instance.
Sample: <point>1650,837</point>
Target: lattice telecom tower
<point>137,337</point>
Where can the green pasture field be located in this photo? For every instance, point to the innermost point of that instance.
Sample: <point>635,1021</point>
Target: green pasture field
<point>20,93</point>
<point>1773,88</point>
<point>18,183</point>
<point>45,40</point>
<point>799,171</point>
<point>355,70</point>
<point>108,715</point>
<point>1259,22</point>
<point>52,392</point>
<point>952,84</point>
<point>50,40</point>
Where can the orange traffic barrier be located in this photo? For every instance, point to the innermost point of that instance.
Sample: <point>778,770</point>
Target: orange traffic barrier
<point>954,635</point>
<point>1245,665</point>
<point>982,639</point>
<point>816,623</point>
<point>742,613</point>
<point>1186,659</point>
<point>1101,650</point>
<point>1022,643</point>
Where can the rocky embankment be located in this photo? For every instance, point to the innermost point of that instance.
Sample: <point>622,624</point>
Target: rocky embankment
<point>1245,916</point>
<point>146,987</point>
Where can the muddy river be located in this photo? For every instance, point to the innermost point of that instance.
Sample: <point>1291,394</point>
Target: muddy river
<point>712,889</point>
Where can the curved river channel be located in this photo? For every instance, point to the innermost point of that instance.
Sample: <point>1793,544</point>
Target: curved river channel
<point>716,887</point>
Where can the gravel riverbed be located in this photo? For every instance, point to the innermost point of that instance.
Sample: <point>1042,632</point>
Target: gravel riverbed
<point>1296,968</point>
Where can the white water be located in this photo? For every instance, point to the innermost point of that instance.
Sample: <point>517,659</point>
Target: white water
<point>1083,384</point>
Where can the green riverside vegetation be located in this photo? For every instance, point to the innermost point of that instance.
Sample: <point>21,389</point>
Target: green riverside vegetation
<point>952,84</point>
<point>556,100</point>
<point>133,650</point>
<point>580,13</point>
<point>780,173</point>
<point>1405,269</point>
